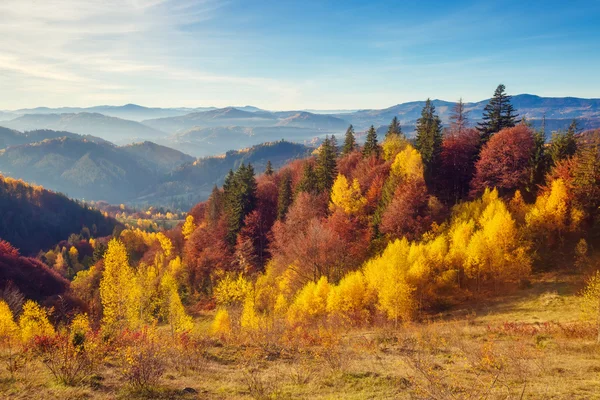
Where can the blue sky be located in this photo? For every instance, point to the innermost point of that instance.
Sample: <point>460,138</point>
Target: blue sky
<point>292,54</point>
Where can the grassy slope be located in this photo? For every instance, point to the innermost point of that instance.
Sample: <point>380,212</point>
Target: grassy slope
<point>470,353</point>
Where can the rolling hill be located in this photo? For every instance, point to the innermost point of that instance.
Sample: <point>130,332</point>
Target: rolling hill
<point>83,169</point>
<point>34,218</point>
<point>202,142</point>
<point>133,112</point>
<point>219,117</point>
<point>193,182</point>
<point>559,111</point>
<point>113,129</point>
<point>11,137</point>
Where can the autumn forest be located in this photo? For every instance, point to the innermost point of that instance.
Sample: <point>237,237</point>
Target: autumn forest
<point>458,263</point>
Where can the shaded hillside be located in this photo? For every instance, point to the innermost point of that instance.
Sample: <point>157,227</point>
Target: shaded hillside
<point>33,218</point>
<point>202,142</point>
<point>34,279</point>
<point>81,169</point>
<point>193,182</point>
<point>160,159</point>
<point>11,137</point>
<point>112,129</point>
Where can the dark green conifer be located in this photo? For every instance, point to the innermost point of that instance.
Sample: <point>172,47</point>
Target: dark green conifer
<point>309,181</point>
<point>269,168</point>
<point>497,115</point>
<point>326,165</point>
<point>429,138</point>
<point>285,197</point>
<point>349,141</point>
<point>371,146</point>
<point>394,128</point>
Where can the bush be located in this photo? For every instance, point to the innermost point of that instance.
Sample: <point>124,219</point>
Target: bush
<point>143,359</point>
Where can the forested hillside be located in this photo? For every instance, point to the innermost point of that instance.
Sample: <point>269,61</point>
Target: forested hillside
<point>346,269</point>
<point>33,218</point>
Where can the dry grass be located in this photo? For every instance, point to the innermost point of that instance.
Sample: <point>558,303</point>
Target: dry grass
<point>529,345</point>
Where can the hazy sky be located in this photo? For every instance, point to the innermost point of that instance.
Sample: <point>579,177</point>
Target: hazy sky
<point>290,55</point>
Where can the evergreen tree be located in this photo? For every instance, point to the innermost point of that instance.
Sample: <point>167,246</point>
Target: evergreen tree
<point>429,138</point>
<point>309,181</point>
<point>326,166</point>
<point>371,147</point>
<point>394,128</point>
<point>563,144</point>
<point>240,199</point>
<point>214,205</point>
<point>349,141</point>
<point>285,197</point>
<point>269,168</point>
<point>539,160</point>
<point>497,115</point>
<point>334,145</point>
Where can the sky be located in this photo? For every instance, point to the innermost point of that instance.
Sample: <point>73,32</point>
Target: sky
<point>292,54</point>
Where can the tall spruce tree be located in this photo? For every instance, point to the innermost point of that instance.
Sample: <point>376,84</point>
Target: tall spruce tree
<point>497,115</point>
<point>285,197</point>
<point>214,205</point>
<point>240,199</point>
<point>429,138</point>
<point>309,182</point>
<point>326,165</point>
<point>539,160</point>
<point>394,128</point>
<point>371,146</point>
<point>269,168</point>
<point>562,145</point>
<point>349,141</point>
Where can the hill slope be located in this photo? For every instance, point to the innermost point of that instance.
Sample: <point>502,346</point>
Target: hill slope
<point>33,218</point>
<point>113,129</point>
<point>193,182</point>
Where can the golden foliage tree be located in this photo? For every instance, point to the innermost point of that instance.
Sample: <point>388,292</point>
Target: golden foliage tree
<point>188,227</point>
<point>8,328</point>
<point>347,196</point>
<point>34,322</point>
<point>173,309</point>
<point>119,290</point>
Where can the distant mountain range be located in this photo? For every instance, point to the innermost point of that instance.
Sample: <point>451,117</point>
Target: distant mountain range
<point>90,168</point>
<point>209,131</point>
<point>76,150</point>
<point>113,129</point>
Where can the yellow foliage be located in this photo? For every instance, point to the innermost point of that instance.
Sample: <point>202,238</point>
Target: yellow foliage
<point>119,290</point>
<point>221,326</point>
<point>352,298</point>
<point>231,291</point>
<point>345,196</point>
<point>80,324</point>
<point>34,322</point>
<point>173,309</point>
<point>310,302</point>
<point>494,250</point>
<point>250,319</point>
<point>8,327</point>
<point>550,210</point>
<point>392,145</point>
<point>188,227</point>
<point>386,276</point>
<point>408,164</point>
